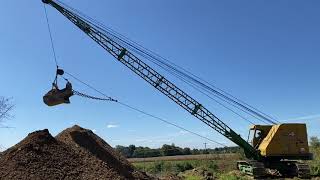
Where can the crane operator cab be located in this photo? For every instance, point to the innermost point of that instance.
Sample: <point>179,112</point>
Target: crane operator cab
<point>258,133</point>
<point>58,96</point>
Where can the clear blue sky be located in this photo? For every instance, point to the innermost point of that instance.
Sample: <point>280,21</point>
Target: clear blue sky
<point>264,52</point>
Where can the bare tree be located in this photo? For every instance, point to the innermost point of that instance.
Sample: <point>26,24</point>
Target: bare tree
<point>5,108</point>
<point>5,113</point>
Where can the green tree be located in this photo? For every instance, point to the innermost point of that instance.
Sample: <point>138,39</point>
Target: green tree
<point>171,150</point>
<point>139,152</point>
<point>123,150</point>
<point>153,153</point>
<point>314,142</point>
<point>166,150</point>
<point>131,149</point>
<point>195,151</point>
<point>186,151</point>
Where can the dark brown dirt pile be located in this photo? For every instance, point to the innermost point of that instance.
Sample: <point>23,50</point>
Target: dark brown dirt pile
<point>84,141</point>
<point>75,153</point>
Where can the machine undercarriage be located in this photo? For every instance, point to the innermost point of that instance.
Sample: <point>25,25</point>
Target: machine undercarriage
<point>284,169</point>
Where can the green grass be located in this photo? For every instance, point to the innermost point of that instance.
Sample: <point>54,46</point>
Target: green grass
<point>223,169</point>
<point>193,177</point>
<point>166,167</point>
<point>315,163</point>
<point>162,168</point>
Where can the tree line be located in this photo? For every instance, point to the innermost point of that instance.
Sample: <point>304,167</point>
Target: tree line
<point>132,151</point>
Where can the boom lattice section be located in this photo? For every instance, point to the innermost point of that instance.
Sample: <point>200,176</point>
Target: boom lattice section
<point>155,79</point>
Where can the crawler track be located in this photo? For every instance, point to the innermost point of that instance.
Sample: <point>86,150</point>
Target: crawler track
<point>303,170</point>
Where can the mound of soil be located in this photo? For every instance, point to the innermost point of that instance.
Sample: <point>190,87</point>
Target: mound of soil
<point>75,153</point>
<point>84,141</point>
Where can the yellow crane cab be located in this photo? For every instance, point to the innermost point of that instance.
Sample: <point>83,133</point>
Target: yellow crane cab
<point>286,141</point>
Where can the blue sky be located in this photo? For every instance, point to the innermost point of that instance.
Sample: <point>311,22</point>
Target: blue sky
<point>263,52</point>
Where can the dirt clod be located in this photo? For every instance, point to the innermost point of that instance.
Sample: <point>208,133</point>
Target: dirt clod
<point>76,153</point>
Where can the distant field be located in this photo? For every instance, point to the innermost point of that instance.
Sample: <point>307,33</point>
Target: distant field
<point>186,157</point>
<point>188,166</point>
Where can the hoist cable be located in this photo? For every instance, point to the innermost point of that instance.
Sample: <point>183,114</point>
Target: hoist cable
<point>205,87</point>
<point>86,84</point>
<point>194,78</point>
<point>6,127</point>
<point>196,86</point>
<point>221,96</point>
<point>51,39</point>
<point>127,44</point>
<point>145,113</point>
<point>193,84</point>
<point>176,73</point>
<point>167,122</point>
<point>198,80</point>
<point>175,69</point>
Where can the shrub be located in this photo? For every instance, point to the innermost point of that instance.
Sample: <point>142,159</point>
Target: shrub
<point>315,163</point>
<point>212,166</point>
<point>158,166</point>
<point>183,166</point>
<point>315,142</point>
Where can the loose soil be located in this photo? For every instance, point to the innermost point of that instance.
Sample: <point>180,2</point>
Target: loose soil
<point>76,153</point>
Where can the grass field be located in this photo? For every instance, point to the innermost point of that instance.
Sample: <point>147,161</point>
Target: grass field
<point>190,166</point>
<point>194,167</point>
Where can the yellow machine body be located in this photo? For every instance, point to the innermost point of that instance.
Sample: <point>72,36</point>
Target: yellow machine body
<point>282,140</point>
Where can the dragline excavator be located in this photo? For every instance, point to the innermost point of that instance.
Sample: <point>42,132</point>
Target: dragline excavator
<point>275,148</point>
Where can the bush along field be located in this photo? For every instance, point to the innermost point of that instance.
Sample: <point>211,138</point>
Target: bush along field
<point>315,164</point>
<point>222,167</point>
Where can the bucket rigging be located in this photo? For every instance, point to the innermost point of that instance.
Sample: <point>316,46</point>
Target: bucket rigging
<point>57,96</point>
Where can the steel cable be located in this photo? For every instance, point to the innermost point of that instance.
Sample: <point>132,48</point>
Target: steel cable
<point>177,71</point>
<point>143,112</point>
<point>51,39</point>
